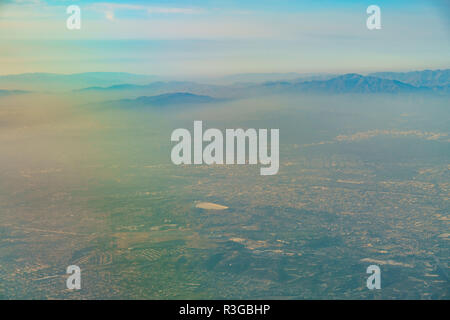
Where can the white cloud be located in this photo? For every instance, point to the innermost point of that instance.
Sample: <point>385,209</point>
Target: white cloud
<point>27,1</point>
<point>109,9</point>
<point>109,15</point>
<point>174,10</point>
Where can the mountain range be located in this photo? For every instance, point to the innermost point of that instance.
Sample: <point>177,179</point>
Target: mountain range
<point>434,82</point>
<point>126,85</point>
<point>425,78</point>
<point>4,93</point>
<point>168,99</point>
<point>348,83</point>
<point>53,81</point>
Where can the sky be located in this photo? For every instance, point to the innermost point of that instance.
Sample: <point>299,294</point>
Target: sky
<point>210,38</point>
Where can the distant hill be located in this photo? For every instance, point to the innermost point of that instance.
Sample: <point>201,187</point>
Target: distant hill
<point>128,90</point>
<point>168,99</point>
<point>356,83</point>
<point>52,81</point>
<point>347,83</point>
<point>158,85</point>
<point>343,84</point>
<point>12,92</point>
<point>121,85</point>
<point>425,78</point>
<point>268,77</point>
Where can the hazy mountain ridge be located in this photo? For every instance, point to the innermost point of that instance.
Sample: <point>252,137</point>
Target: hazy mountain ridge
<point>351,83</point>
<point>54,81</point>
<point>175,86</point>
<point>348,83</point>
<point>356,83</point>
<point>168,99</point>
<point>248,78</point>
<point>425,78</point>
<point>127,90</point>
<point>12,92</point>
<point>427,81</point>
<point>345,84</point>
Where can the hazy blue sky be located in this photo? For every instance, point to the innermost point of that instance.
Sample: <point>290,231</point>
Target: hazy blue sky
<point>221,37</point>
